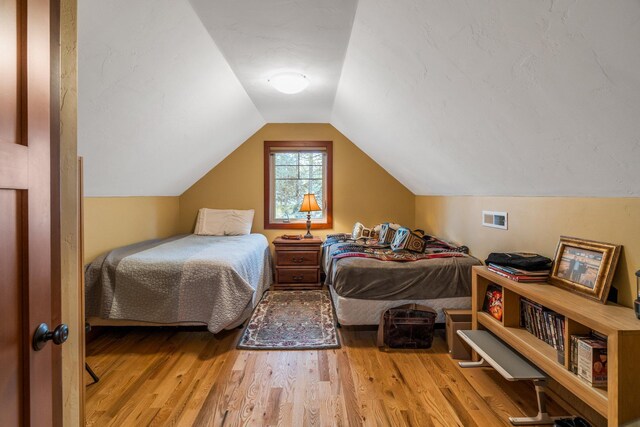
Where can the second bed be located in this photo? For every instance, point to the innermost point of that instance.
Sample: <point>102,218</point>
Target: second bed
<point>363,288</point>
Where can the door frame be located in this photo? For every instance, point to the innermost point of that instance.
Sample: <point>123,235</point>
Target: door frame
<point>56,209</point>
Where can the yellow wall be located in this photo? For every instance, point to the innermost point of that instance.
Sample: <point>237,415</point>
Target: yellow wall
<point>365,192</point>
<point>536,223</point>
<point>362,190</point>
<point>110,222</point>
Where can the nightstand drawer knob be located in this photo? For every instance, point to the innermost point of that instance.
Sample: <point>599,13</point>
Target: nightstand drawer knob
<point>297,278</point>
<point>298,260</point>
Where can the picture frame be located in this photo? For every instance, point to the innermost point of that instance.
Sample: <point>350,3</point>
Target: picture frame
<point>585,267</point>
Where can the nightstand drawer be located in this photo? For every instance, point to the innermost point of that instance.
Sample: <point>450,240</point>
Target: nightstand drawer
<point>297,275</point>
<point>297,258</point>
<point>297,263</point>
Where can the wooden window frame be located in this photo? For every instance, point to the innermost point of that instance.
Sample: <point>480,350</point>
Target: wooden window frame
<point>327,146</point>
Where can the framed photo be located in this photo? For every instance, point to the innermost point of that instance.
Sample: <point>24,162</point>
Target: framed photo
<point>585,267</point>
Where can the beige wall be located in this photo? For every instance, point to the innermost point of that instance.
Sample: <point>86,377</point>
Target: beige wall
<point>536,223</point>
<point>370,196</point>
<point>365,192</point>
<point>362,190</point>
<point>110,222</point>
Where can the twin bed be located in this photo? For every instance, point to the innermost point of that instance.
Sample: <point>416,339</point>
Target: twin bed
<point>362,289</point>
<point>217,281</point>
<point>183,280</point>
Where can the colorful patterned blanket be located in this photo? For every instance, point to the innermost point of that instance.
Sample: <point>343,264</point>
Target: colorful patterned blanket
<point>433,244</point>
<point>383,254</point>
<point>336,238</point>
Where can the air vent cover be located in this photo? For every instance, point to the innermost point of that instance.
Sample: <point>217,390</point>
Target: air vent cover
<point>494,219</point>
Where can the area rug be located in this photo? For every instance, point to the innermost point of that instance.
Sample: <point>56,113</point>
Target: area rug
<point>291,320</point>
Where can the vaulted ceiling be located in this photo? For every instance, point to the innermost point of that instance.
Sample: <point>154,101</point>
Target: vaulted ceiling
<point>260,38</point>
<point>158,105</point>
<point>499,97</point>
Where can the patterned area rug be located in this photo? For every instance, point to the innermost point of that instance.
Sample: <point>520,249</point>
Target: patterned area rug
<point>291,320</point>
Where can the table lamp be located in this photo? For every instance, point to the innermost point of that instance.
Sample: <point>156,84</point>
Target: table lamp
<point>308,205</point>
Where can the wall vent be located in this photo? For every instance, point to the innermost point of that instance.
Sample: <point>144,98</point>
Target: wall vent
<point>494,219</point>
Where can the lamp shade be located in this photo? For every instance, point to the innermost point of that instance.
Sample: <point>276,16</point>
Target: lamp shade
<point>309,203</point>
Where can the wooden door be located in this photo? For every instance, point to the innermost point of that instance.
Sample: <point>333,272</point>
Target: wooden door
<point>29,134</point>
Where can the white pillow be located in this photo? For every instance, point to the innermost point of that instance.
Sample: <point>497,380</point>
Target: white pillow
<point>211,222</point>
<point>239,222</point>
<point>224,222</point>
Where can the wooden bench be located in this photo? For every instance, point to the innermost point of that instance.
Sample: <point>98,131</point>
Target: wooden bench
<point>511,366</point>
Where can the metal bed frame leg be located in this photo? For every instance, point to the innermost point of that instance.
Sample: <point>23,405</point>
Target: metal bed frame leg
<point>93,374</point>
<point>87,328</point>
<point>542,417</point>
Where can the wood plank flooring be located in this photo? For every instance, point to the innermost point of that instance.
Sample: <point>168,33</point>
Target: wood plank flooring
<point>172,376</point>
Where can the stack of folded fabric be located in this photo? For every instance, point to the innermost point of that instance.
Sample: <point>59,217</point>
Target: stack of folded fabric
<point>520,266</point>
<point>518,274</point>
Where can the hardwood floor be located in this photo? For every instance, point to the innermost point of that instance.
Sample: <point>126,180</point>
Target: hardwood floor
<point>184,377</point>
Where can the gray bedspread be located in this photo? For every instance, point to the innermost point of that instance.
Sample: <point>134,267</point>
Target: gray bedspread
<point>365,278</point>
<point>214,280</point>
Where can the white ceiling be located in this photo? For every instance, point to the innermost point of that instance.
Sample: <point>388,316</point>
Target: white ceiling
<point>497,97</point>
<point>260,38</point>
<point>500,97</point>
<point>158,105</point>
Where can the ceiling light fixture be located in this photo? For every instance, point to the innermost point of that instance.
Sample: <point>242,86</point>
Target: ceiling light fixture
<point>289,82</point>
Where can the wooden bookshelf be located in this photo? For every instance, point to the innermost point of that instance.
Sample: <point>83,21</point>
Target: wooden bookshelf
<point>617,402</point>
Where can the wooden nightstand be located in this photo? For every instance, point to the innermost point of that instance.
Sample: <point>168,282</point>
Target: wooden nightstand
<point>298,263</point>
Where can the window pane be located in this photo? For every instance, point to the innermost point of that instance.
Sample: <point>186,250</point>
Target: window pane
<point>286,172</point>
<point>316,172</point>
<point>305,172</point>
<point>306,158</point>
<point>314,215</point>
<point>287,199</point>
<point>315,187</point>
<point>289,194</point>
<point>294,174</point>
<point>286,158</point>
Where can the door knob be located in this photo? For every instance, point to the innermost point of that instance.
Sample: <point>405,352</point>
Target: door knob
<point>42,334</point>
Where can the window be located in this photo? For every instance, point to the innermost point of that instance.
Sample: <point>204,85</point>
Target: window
<point>292,169</point>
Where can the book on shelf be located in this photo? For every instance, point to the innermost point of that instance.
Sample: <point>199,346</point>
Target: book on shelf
<point>493,301</point>
<point>588,358</point>
<point>519,275</point>
<point>543,323</point>
<point>573,350</point>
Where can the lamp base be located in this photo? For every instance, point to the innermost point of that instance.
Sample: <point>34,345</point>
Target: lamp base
<point>636,304</point>
<point>308,235</point>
